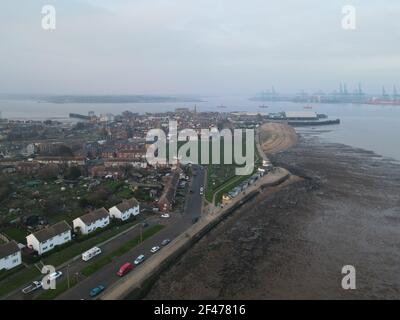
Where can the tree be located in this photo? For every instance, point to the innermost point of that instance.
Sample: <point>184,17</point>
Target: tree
<point>48,172</point>
<point>73,173</point>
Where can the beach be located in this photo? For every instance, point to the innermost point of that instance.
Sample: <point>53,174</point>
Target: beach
<point>292,243</point>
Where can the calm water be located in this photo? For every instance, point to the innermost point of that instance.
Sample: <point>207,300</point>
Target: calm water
<point>373,128</point>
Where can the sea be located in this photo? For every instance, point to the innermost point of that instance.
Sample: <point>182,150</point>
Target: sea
<point>370,127</point>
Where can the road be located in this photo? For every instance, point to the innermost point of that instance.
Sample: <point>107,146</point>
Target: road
<point>176,225</point>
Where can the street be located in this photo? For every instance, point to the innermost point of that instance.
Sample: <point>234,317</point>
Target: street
<point>177,225</point>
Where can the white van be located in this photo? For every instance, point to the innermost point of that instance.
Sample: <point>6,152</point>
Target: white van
<point>90,254</point>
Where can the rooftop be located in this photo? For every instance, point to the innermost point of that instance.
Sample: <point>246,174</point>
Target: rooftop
<point>8,249</point>
<point>52,231</point>
<point>93,216</point>
<point>127,204</point>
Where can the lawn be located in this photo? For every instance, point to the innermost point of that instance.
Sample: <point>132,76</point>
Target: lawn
<point>79,247</point>
<point>13,282</point>
<point>16,234</point>
<point>222,178</point>
<point>60,288</point>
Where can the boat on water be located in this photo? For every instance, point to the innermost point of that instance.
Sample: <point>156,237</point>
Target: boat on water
<point>221,106</point>
<point>308,107</point>
<point>383,102</point>
<point>263,106</point>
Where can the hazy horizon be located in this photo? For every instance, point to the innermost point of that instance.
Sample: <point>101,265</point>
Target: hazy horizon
<point>179,47</point>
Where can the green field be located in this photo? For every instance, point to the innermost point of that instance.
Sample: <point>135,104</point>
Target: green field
<point>222,178</point>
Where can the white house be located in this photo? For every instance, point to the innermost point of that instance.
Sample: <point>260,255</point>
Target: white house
<point>10,255</point>
<point>125,209</point>
<point>48,238</point>
<point>92,221</point>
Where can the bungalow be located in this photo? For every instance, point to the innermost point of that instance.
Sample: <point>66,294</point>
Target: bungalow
<point>10,255</point>
<point>92,221</point>
<point>48,238</point>
<point>125,209</point>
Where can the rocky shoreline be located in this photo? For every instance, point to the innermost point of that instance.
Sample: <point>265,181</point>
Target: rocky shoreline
<point>292,242</point>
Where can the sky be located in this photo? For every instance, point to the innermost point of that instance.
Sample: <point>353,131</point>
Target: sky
<point>207,47</point>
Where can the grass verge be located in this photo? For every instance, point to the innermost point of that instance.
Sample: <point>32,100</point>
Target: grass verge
<point>103,261</point>
<point>18,280</point>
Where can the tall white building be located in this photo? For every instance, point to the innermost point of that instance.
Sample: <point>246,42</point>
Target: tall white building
<point>125,209</point>
<point>92,221</point>
<point>10,256</point>
<point>48,238</point>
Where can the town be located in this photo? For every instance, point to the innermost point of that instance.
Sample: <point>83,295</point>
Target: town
<point>72,191</point>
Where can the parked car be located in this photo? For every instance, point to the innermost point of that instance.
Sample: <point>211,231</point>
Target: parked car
<point>55,275</point>
<point>127,267</point>
<point>165,215</point>
<point>139,259</point>
<point>201,191</point>
<point>165,242</point>
<point>96,291</point>
<point>155,249</point>
<point>32,287</point>
<point>145,224</point>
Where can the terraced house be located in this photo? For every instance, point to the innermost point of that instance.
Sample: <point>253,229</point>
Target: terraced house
<point>10,256</point>
<point>92,221</point>
<point>48,238</point>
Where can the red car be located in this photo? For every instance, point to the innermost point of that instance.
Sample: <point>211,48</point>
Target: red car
<point>127,267</point>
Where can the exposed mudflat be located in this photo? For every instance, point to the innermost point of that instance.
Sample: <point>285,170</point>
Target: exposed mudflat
<point>292,244</point>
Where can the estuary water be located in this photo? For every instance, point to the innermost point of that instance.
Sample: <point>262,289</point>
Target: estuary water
<point>374,128</point>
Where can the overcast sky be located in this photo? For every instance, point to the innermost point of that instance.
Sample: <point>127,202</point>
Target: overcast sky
<point>197,47</point>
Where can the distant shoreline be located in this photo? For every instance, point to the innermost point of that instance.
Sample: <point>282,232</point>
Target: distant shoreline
<point>60,99</point>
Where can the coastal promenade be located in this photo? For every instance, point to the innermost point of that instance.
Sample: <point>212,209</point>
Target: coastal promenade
<point>180,244</point>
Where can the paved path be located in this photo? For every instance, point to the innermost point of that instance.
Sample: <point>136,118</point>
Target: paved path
<point>123,287</point>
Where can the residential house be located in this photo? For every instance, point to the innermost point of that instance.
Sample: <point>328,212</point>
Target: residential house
<point>125,209</point>
<point>91,221</point>
<point>10,255</point>
<point>48,238</point>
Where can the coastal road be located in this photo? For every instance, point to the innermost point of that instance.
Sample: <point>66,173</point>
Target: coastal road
<point>176,226</point>
<point>173,227</point>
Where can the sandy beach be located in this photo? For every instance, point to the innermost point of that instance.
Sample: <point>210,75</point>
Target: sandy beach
<point>277,137</point>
